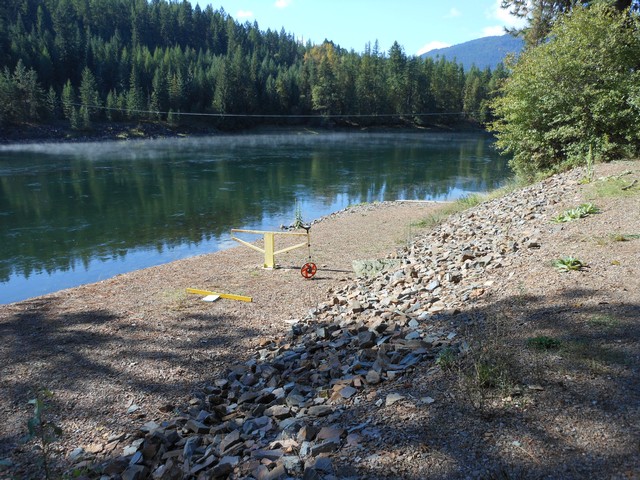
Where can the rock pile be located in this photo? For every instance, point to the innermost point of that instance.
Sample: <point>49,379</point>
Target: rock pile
<point>277,416</point>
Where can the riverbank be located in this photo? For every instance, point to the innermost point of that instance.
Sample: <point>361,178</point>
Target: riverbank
<point>474,358</point>
<point>113,131</point>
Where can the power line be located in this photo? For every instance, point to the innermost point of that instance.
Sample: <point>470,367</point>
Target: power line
<point>266,115</point>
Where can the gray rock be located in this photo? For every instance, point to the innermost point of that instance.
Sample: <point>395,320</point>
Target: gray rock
<point>229,441</point>
<point>393,398</point>
<point>134,472</point>
<point>433,285</point>
<point>319,410</point>
<point>327,446</point>
<point>373,377</point>
<point>196,427</point>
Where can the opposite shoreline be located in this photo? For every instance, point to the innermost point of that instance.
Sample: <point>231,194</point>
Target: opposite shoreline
<point>62,133</point>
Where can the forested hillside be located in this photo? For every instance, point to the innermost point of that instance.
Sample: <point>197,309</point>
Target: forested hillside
<point>481,52</point>
<point>84,61</point>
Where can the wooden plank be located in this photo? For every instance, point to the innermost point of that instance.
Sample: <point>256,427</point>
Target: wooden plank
<point>229,296</point>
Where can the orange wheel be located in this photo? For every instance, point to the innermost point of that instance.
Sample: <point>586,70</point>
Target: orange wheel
<point>308,270</point>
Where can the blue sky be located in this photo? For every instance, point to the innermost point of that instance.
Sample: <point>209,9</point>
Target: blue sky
<point>417,25</point>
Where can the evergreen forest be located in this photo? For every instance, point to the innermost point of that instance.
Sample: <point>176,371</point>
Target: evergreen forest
<point>88,61</point>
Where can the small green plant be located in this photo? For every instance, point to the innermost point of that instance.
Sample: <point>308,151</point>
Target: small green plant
<point>581,211</point>
<point>486,375</point>
<point>588,178</point>
<point>43,431</point>
<point>489,369</point>
<point>298,222</point>
<point>543,342</point>
<point>569,263</point>
<point>446,358</point>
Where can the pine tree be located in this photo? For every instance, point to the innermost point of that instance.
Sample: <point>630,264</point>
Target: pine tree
<point>89,98</point>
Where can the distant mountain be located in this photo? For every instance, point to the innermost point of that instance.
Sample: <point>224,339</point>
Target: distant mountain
<point>483,52</point>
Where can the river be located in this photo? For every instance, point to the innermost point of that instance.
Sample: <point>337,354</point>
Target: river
<point>75,213</point>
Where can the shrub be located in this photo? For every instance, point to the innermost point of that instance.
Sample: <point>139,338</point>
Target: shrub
<point>575,95</point>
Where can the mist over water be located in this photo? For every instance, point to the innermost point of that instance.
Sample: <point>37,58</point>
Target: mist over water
<point>81,212</point>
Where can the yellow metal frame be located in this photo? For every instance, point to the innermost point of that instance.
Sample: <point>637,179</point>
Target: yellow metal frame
<point>269,244</point>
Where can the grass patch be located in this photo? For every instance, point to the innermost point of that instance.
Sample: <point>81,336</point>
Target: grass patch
<point>489,369</point>
<point>466,202</point>
<point>580,211</point>
<point>615,187</point>
<point>624,237</point>
<point>603,320</point>
<point>566,264</point>
<point>448,209</point>
<point>543,342</point>
<point>594,357</point>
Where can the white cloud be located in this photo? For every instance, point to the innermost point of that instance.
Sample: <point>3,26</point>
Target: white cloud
<point>244,14</point>
<point>494,31</point>
<point>432,46</point>
<point>282,3</point>
<point>453,13</point>
<point>504,17</point>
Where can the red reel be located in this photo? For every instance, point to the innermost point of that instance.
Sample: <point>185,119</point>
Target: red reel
<point>308,270</point>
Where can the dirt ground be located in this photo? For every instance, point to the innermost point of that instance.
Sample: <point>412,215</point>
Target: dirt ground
<point>140,339</point>
<point>550,387</point>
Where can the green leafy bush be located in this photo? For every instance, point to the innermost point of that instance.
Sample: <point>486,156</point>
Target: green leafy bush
<point>574,94</point>
<point>566,264</point>
<point>543,342</point>
<point>581,211</point>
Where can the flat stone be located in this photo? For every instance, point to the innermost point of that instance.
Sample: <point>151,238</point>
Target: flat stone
<point>329,432</point>
<point>196,427</point>
<point>348,392</point>
<point>433,285</point>
<point>229,441</point>
<point>190,447</point>
<point>366,339</point>
<point>134,472</point>
<point>268,454</point>
<point>149,427</point>
<point>320,410</point>
<point>393,398</point>
<point>328,446</point>
<point>136,459</point>
<point>412,336</point>
<point>278,411</point>
<point>322,464</point>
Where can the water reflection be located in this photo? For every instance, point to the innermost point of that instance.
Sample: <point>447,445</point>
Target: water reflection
<point>75,213</point>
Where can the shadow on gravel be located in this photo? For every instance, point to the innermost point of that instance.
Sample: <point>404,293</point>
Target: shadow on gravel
<point>505,406</point>
<point>102,363</point>
<point>550,388</point>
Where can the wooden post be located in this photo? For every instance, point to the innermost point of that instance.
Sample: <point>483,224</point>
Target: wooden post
<point>269,253</point>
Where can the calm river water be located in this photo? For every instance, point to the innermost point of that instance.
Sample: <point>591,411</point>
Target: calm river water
<point>78,213</point>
